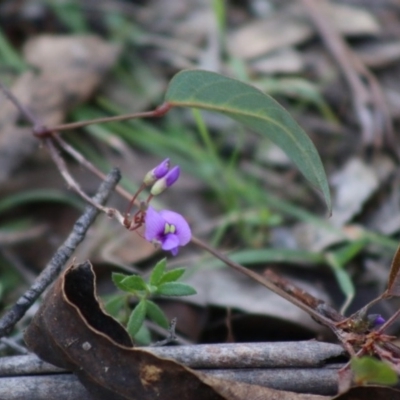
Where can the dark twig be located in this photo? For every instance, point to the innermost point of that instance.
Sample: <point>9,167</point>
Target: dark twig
<point>297,366</point>
<point>12,344</point>
<point>303,354</point>
<point>171,335</point>
<point>25,112</point>
<point>54,267</point>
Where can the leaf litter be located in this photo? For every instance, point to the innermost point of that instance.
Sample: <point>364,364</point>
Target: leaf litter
<point>355,194</point>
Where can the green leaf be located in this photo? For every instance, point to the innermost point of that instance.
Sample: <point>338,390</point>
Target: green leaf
<point>117,278</point>
<point>370,370</point>
<point>143,336</point>
<point>38,196</point>
<point>114,305</point>
<point>134,282</point>
<point>175,289</point>
<point>258,111</point>
<point>156,314</point>
<point>158,272</point>
<point>172,275</point>
<point>136,318</point>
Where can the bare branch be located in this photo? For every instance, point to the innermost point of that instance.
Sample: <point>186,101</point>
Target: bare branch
<point>54,267</point>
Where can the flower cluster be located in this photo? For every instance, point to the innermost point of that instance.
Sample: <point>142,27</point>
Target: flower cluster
<point>165,228</point>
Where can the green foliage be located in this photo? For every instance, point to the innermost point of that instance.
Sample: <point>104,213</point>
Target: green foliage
<point>28,197</point>
<point>175,289</point>
<point>134,283</point>
<point>160,282</point>
<point>117,278</point>
<point>158,272</point>
<point>172,275</point>
<point>156,314</point>
<point>370,370</point>
<point>137,317</point>
<point>256,110</point>
<point>115,304</point>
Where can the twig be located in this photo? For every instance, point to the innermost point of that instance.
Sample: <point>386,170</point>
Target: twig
<point>88,165</point>
<point>299,366</point>
<point>303,354</point>
<point>171,335</point>
<point>62,167</point>
<point>25,112</point>
<point>270,284</point>
<point>12,344</point>
<point>54,267</point>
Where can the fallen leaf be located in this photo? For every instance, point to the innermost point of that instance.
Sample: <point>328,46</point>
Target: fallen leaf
<point>353,184</point>
<point>261,37</point>
<point>71,331</point>
<point>394,276</point>
<point>369,393</point>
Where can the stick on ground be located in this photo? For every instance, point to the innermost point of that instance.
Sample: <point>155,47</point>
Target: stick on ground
<point>56,264</point>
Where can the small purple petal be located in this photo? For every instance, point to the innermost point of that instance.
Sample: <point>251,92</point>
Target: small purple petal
<point>379,320</point>
<point>170,242</point>
<point>155,224</point>
<point>375,320</point>
<point>161,169</point>
<point>183,231</point>
<point>157,173</point>
<point>172,176</point>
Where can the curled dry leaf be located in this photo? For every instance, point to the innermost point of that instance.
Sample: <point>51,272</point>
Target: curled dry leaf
<point>72,331</point>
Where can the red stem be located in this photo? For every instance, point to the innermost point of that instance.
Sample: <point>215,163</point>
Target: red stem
<point>42,131</point>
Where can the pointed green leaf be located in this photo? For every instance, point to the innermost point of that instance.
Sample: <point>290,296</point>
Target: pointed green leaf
<point>258,111</point>
<point>172,275</point>
<point>136,318</point>
<point>156,314</point>
<point>134,282</point>
<point>117,278</point>
<point>370,370</point>
<point>114,305</point>
<point>175,289</point>
<point>143,336</point>
<point>158,272</point>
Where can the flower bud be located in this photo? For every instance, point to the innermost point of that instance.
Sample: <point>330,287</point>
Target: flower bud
<point>157,173</point>
<point>166,181</point>
<point>375,320</point>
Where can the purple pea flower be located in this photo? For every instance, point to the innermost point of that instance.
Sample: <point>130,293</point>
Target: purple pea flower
<point>375,320</point>
<point>167,228</point>
<point>166,181</point>
<point>157,173</point>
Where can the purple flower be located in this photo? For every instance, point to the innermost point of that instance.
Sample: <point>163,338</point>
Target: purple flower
<point>157,173</point>
<point>375,320</point>
<point>166,181</point>
<point>167,228</point>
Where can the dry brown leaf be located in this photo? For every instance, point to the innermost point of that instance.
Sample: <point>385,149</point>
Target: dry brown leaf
<point>71,331</point>
<point>226,288</point>
<point>394,276</point>
<point>69,70</point>
<point>370,393</point>
<point>289,27</point>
